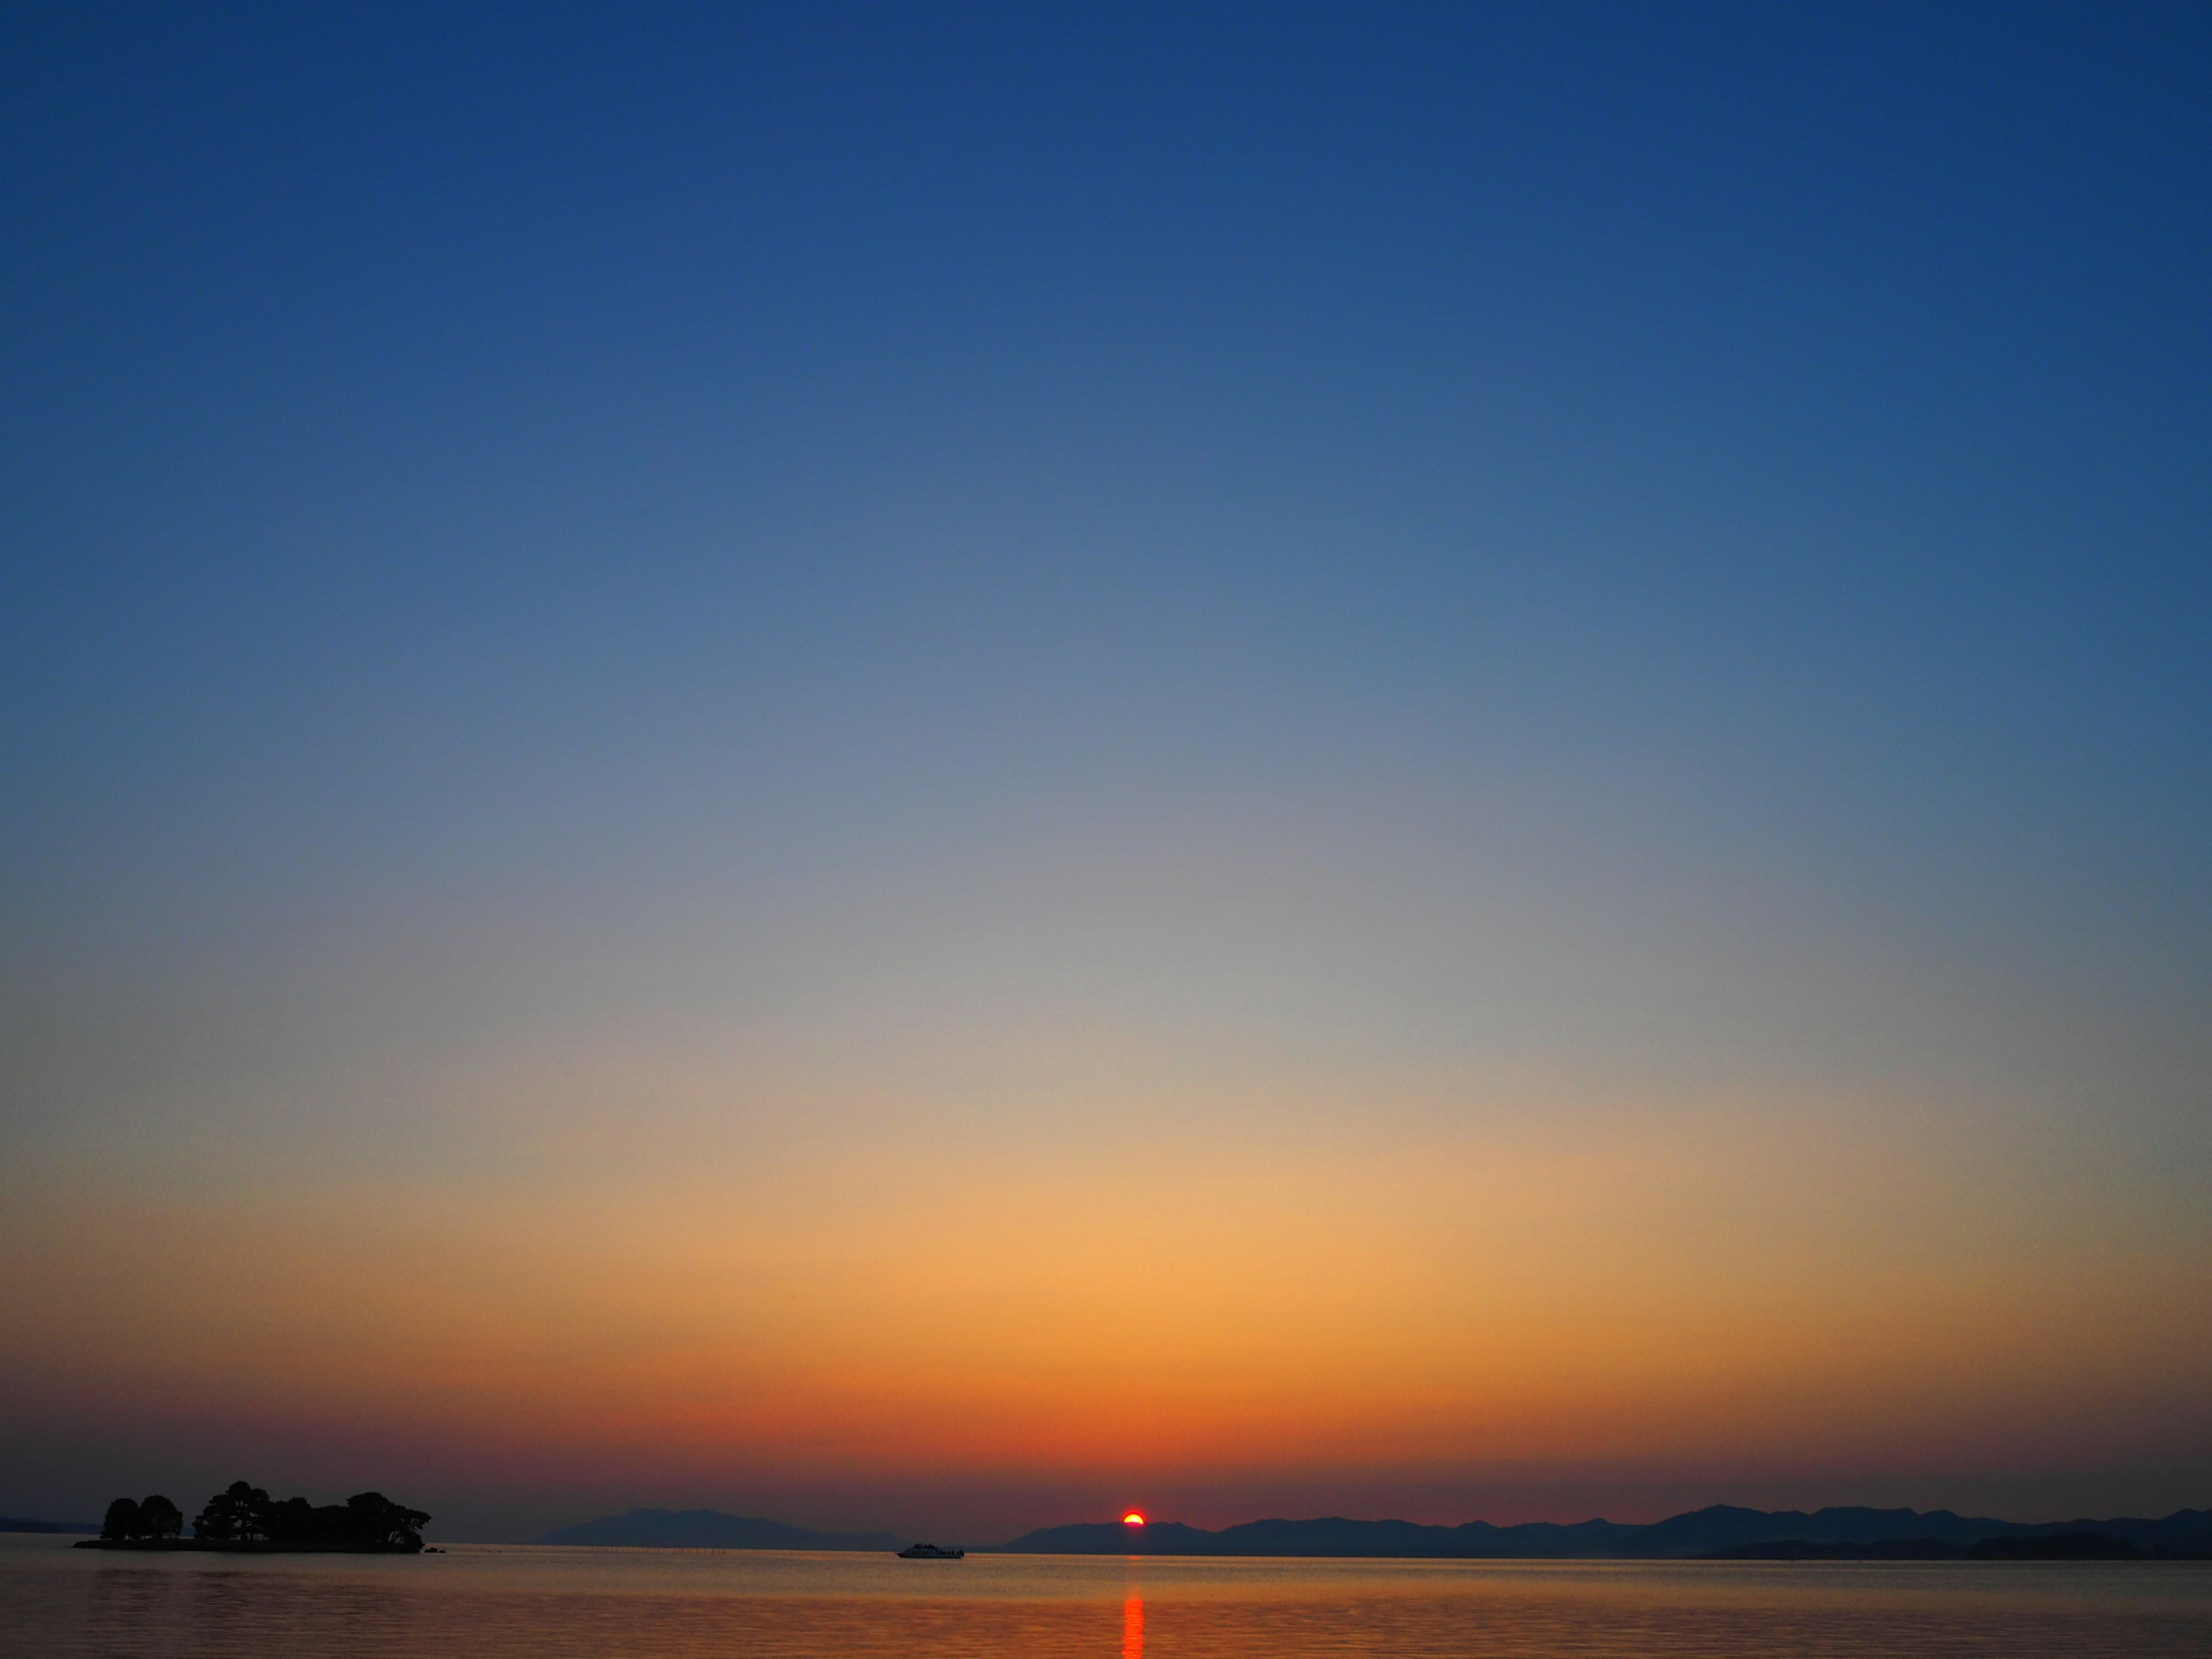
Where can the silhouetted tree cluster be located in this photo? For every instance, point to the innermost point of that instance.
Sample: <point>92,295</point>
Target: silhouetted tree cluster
<point>240,1514</point>
<point>157,1517</point>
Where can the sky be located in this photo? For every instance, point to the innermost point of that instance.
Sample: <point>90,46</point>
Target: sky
<point>948,766</point>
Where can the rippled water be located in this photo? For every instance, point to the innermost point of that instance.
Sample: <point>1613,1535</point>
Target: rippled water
<point>655,1604</point>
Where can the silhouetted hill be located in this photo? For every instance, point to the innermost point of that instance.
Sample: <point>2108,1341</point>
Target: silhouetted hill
<point>21,1523</point>
<point>2061,1547</point>
<point>2056,1546</point>
<point>1112,1538</point>
<point>1882,1549</point>
<point>710,1529</point>
<point>1721,1528</point>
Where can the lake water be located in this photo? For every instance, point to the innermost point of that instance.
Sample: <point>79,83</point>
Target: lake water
<point>496,1600</point>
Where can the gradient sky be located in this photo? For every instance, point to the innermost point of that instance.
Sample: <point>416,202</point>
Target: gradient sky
<point>946,766</point>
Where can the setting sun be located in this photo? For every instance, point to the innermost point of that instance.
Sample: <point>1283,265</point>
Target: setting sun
<point>1133,1519</point>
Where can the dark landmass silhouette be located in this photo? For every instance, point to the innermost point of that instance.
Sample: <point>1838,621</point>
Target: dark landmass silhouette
<point>1881,1549</point>
<point>245,1518</point>
<point>2074,1546</point>
<point>2056,1546</point>
<point>710,1529</point>
<point>24,1524</point>
<point>1706,1532</point>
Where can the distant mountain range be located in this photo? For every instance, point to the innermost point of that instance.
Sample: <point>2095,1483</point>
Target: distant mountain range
<point>1722,1529</point>
<point>21,1523</point>
<point>1699,1532</point>
<point>710,1529</point>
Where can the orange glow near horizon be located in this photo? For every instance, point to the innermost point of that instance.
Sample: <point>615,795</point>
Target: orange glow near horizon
<point>1615,1290</point>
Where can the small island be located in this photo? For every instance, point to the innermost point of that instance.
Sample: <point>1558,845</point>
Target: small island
<point>245,1519</point>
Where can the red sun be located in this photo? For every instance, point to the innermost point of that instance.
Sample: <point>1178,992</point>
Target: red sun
<point>1133,1519</point>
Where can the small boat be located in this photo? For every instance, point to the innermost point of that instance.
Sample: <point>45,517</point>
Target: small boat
<point>929,1553</point>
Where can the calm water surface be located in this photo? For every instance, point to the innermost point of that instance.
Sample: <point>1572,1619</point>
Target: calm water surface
<point>684,1604</point>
